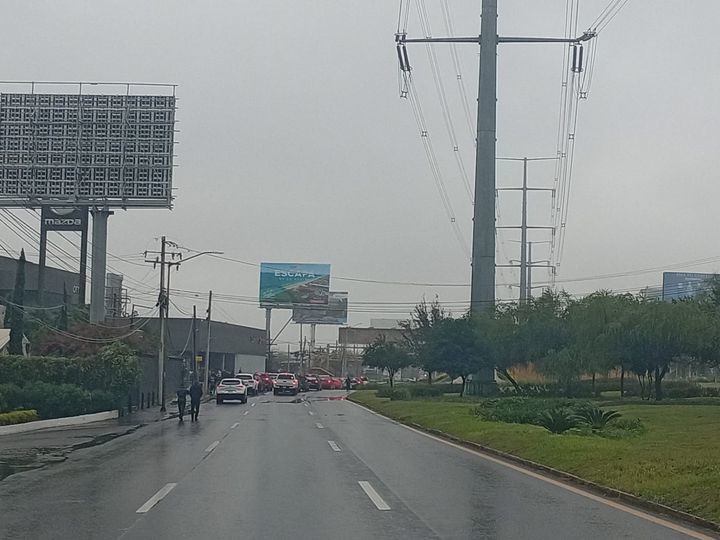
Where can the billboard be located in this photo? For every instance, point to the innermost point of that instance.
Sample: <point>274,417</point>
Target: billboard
<point>289,284</point>
<point>64,219</point>
<point>678,285</point>
<point>336,311</point>
<point>86,149</point>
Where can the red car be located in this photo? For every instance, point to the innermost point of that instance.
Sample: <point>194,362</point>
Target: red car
<point>326,382</point>
<point>265,382</point>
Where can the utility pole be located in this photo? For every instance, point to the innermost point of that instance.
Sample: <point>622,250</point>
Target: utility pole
<point>163,303</point>
<point>194,344</point>
<point>206,380</point>
<point>482,285</point>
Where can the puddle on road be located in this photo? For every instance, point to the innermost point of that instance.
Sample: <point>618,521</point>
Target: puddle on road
<point>12,463</point>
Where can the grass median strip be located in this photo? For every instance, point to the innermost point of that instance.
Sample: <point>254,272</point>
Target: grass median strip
<point>675,461</point>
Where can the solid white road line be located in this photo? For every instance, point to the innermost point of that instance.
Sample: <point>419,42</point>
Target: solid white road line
<point>236,424</point>
<point>311,413</point>
<point>320,426</point>
<point>212,446</point>
<point>159,496</point>
<point>374,495</point>
<point>334,446</point>
<point>578,491</point>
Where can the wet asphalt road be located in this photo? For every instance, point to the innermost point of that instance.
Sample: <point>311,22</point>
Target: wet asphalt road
<point>313,467</point>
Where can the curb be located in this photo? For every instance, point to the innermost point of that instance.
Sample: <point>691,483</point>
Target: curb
<point>599,489</point>
<point>58,422</point>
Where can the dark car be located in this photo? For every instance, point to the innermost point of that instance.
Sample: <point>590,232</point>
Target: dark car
<point>313,381</point>
<point>303,384</point>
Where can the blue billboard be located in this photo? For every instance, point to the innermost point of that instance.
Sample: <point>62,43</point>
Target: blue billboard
<point>679,285</point>
<point>291,284</point>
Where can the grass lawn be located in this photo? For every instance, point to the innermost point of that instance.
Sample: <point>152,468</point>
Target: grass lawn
<point>676,462</point>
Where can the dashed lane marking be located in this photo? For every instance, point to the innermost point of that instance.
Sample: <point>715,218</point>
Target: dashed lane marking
<point>236,424</point>
<point>245,413</point>
<point>374,496</point>
<point>320,426</point>
<point>159,496</point>
<point>212,447</point>
<point>311,413</point>
<point>334,446</point>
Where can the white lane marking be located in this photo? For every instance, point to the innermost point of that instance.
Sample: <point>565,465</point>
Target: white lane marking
<point>212,447</point>
<point>311,413</point>
<point>374,495</point>
<point>159,496</point>
<point>320,426</point>
<point>334,446</point>
<point>252,404</point>
<point>597,498</point>
<point>306,404</point>
<point>236,424</point>
<point>245,413</point>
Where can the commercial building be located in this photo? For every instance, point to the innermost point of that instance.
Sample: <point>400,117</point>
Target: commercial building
<point>233,348</point>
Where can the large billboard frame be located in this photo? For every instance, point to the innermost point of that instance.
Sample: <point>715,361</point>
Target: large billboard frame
<point>75,147</point>
<point>683,285</point>
<point>289,285</point>
<point>335,313</point>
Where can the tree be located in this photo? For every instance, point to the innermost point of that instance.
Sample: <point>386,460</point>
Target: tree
<point>422,320</point>
<point>457,349</point>
<point>387,356</point>
<point>658,333</point>
<point>17,309</point>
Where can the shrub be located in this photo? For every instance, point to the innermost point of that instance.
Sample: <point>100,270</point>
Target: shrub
<point>425,391</point>
<point>624,428</point>
<point>11,397</point>
<point>557,420</point>
<point>18,417</point>
<point>60,400</point>
<point>521,410</point>
<point>596,418</point>
<point>394,394</point>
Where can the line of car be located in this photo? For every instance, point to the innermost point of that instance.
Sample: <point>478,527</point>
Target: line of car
<point>252,384</point>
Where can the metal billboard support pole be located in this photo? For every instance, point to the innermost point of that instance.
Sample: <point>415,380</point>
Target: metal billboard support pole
<point>99,265</point>
<point>82,284</point>
<point>268,337</point>
<point>42,262</point>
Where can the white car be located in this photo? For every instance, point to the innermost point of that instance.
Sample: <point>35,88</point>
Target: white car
<point>230,389</point>
<point>249,381</point>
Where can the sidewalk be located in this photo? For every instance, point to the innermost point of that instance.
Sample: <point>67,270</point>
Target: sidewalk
<point>35,449</point>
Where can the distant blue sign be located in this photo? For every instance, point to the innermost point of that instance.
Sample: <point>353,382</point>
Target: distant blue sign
<point>679,285</point>
<point>289,284</point>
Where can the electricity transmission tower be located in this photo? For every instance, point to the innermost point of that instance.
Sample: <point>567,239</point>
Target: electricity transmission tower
<point>482,291</point>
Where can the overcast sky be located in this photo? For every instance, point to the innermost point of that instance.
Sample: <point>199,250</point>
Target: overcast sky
<point>294,145</point>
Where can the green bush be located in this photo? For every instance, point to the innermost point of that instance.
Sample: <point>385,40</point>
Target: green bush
<point>18,417</point>
<point>60,400</point>
<point>11,397</point>
<point>114,369</point>
<point>597,418</point>
<point>426,390</point>
<point>623,428</point>
<point>557,420</point>
<point>395,394</point>
<point>521,410</point>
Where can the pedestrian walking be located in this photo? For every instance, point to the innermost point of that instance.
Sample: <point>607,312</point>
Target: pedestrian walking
<point>182,393</point>
<point>348,383</point>
<point>195,395</point>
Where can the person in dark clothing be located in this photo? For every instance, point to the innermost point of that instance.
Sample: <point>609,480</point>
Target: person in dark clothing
<point>195,395</point>
<point>181,401</point>
<point>348,383</point>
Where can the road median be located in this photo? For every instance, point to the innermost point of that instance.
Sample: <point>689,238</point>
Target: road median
<point>648,472</point>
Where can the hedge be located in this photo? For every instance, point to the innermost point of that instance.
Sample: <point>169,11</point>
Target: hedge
<point>18,417</point>
<point>55,400</point>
